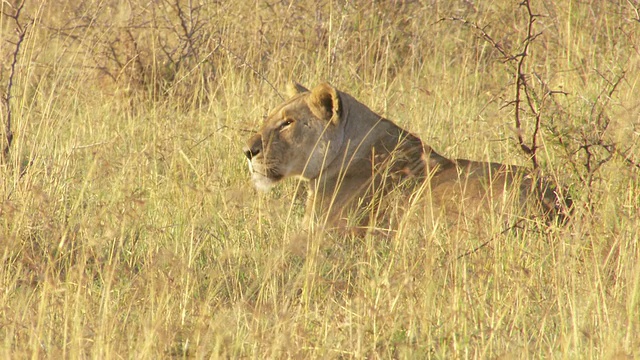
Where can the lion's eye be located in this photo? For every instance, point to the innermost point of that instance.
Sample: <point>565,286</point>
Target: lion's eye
<point>285,123</point>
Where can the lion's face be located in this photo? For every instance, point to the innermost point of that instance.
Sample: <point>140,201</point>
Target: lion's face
<point>297,139</point>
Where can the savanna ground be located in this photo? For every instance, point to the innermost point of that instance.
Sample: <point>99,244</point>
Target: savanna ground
<point>129,227</point>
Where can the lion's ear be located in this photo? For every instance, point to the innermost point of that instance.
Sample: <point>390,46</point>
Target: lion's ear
<point>293,89</point>
<point>324,102</point>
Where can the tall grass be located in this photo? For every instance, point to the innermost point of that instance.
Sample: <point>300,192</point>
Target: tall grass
<point>129,229</point>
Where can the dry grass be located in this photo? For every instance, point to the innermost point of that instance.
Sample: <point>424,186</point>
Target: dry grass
<point>129,229</point>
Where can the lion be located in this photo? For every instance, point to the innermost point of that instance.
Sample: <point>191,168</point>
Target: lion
<point>352,158</point>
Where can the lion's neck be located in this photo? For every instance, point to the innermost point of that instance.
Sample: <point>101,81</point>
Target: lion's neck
<point>371,143</point>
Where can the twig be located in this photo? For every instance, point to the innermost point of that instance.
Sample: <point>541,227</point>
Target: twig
<point>521,85</point>
<point>627,158</point>
<point>523,90</point>
<point>245,63</point>
<point>516,225</point>
<point>218,130</point>
<point>22,32</point>
<point>482,32</point>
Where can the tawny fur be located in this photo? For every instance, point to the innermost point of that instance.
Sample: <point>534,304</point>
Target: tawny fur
<point>352,157</point>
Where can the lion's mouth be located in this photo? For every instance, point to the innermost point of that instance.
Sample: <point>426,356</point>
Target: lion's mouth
<point>263,178</point>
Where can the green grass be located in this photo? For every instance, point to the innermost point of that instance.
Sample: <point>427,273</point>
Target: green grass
<point>129,227</point>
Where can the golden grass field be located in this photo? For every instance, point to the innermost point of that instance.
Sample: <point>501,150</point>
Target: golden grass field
<point>129,227</point>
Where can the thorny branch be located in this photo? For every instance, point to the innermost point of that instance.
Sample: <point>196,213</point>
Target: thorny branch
<point>521,85</point>
<point>21,31</point>
<point>597,137</point>
<point>594,146</point>
<point>524,93</point>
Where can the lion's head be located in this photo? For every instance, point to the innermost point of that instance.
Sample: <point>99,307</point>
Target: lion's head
<point>298,138</point>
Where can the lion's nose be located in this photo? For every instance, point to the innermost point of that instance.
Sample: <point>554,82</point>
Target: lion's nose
<point>251,152</point>
<point>248,153</point>
<point>254,146</point>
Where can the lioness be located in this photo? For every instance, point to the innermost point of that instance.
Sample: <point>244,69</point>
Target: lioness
<point>352,157</point>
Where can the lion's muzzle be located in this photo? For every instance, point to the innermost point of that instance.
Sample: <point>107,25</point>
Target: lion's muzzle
<point>254,147</point>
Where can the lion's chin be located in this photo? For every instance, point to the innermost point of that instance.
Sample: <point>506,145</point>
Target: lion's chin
<point>262,183</point>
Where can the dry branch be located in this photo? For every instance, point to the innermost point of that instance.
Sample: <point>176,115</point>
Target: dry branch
<point>524,93</point>
<point>21,32</point>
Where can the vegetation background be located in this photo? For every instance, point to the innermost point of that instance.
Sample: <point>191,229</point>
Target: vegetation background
<point>129,227</point>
